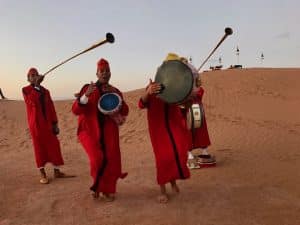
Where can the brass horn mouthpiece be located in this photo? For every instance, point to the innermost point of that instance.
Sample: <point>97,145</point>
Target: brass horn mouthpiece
<point>110,37</point>
<point>228,31</point>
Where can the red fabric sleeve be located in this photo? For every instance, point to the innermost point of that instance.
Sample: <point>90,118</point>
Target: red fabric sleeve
<point>200,93</point>
<point>27,97</point>
<point>52,111</point>
<point>141,104</point>
<point>124,109</point>
<point>77,107</point>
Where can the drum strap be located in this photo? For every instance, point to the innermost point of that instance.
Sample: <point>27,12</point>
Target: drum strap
<point>166,110</point>
<point>102,143</point>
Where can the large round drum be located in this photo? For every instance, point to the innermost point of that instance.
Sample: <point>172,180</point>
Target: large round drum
<point>178,81</point>
<point>109,103</point>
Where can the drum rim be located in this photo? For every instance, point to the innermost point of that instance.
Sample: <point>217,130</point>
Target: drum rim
<point>107,112</point>
<point>191,86</point>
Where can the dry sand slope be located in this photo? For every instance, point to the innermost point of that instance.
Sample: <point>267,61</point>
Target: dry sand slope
<point>254,123</point>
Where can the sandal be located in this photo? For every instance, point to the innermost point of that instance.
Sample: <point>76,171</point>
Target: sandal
<point>206,160</point>
<point>193,165</point>
<point>44,180</point>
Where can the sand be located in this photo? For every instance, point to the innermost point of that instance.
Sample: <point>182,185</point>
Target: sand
<point>253,118</point>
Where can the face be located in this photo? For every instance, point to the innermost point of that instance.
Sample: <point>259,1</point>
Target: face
<point>32,79</point>
<point>103,75</point>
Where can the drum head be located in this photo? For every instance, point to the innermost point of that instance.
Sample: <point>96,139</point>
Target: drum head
<point>109,103</point>
<point>177,80</point>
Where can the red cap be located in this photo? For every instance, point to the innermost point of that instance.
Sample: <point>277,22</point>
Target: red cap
<point>103,64</point>
<point>32,71</point>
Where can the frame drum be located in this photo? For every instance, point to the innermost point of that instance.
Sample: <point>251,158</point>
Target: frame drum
<point>110,104</point>
<point>178,81</point>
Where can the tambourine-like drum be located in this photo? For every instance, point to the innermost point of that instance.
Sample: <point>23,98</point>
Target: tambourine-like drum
<point>194,117</point>
<point>178,81</point>
<point>110,104</point>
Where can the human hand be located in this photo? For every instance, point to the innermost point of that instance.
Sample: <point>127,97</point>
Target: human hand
<point>90,89</point>
<point>153,88</point>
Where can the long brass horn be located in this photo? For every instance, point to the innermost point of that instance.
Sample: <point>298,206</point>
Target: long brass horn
<point>109,38</point>
<point>228,31</point>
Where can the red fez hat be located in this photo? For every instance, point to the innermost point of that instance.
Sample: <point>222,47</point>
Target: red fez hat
<point>103,64</point>
<point>32,71</point>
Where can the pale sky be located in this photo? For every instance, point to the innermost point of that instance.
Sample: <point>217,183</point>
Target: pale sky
<point>43,33</point>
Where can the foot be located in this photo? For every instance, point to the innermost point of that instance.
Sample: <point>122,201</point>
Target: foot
<point>59,174</point>
<point>175,189</point>
<point>163,198</point>
<point>44,180</point>
<point>108,197</point>
<point>95,195</point>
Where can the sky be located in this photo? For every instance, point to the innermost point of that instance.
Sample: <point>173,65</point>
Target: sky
<point>44,33</point>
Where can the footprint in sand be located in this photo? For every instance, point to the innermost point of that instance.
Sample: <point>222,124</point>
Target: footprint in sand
<point>224,149</point>
<point>293,132</point>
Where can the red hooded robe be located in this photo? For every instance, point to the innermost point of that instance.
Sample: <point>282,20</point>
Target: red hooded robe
<point>41,116</point>
<point>99,135</point>
<point>168,134</point>
<point>199,136</point>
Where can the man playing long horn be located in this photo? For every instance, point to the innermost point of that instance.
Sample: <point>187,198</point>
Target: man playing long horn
<point>43,125</point>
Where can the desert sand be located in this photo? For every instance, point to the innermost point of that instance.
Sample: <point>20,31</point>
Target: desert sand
<point>253,118</point>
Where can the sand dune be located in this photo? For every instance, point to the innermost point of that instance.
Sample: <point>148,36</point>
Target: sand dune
<point>254,125</point>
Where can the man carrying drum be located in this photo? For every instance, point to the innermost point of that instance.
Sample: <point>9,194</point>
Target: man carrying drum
<point>199,137</point>
<point>167,128</point>
<point>99,133</point>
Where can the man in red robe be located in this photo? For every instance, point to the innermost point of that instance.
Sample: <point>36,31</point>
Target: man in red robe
<point>200,138</point>
<point>168,134</point>
<point>43,125</point>
<point>99,133</point>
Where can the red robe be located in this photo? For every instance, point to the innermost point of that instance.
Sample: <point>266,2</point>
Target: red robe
<point>199,136</point>
<point>168,134</point>
<point>41,116</point>
<point>99,135</point>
